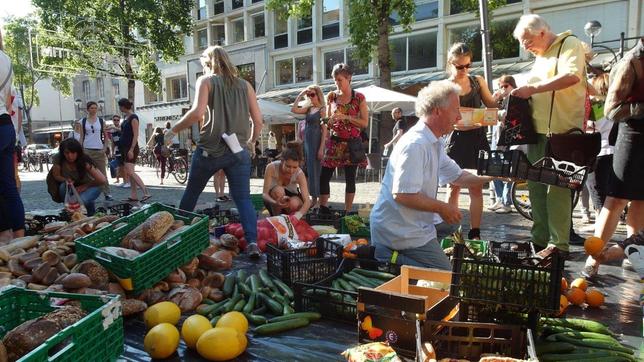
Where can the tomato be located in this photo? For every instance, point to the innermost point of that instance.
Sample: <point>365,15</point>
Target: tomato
<point>239,233</point>
<point>264,234</point>
<point>242,243</point>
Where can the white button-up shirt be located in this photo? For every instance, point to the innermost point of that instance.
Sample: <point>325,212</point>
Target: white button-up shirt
<point>418,164</point>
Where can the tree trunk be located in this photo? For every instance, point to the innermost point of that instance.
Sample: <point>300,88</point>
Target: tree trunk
<point>383,47</point>
<point>27,113</point>
<point>129,72</point>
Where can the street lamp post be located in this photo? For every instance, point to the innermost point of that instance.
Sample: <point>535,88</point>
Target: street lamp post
<point>594,27</point>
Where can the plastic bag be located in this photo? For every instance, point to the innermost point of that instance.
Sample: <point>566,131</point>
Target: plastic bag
<point>73,201</point>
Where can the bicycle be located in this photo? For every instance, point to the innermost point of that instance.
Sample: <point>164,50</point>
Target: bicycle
<point>33,162</point>
<point>521,199</point>
<point>177,166</point>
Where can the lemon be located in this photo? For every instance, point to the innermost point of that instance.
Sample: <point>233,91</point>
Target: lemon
<point>234,320</point>
<point>161,341</point>
<point>193,327</point>
<point>220,344</point>
<point>164,312</point>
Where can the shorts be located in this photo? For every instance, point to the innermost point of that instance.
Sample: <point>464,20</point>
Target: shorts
<point>124,158</point>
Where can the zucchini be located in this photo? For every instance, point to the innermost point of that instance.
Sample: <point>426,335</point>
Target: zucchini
<point>287,309</point>
<point>374,274</point>
<point>260,310</point>
<point>248,308</point>
<point>288,292</point>
<point>239,306</point>
<point>554,348</point>
<point>311,316</point>
<point>214,320</point>
<point>356,279</point>
<point>578,324</point>
<point>266,280</point>
<point>254,283</point>
<point>242,276</point>
<point>275,307</point>
<point>595,344</point>
<point>346,285</point>
<point>210,308</point>
<point>282,326</point>
<point>255,319</point>
<point>229,284</point>
<point>244,289</point>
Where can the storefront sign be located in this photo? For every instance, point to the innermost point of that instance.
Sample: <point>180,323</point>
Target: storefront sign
<point>174,117</point>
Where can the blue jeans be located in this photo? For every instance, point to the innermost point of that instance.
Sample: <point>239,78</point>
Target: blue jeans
<point>12,206</point>
<point>502,191</point>
<point>88,197</point>
<point>237,168</point>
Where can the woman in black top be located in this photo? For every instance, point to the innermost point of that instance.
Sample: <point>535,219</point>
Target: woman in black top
<point>130,149</point>
<point>160,151</point>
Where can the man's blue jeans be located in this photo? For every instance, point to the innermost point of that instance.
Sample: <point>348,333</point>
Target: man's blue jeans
<point>88,197</point>
<point>502,191</point>
<point>237,168</point>
<point>12,206</point>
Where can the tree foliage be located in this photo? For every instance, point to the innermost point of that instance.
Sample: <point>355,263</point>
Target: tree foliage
<point>369,26</point>
<point>459,6</point>
<point>119,38</point>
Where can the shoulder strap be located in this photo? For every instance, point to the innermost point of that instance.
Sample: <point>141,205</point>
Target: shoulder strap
<point>4,82</point>
<point>83,123</point>
<point>552,99</point>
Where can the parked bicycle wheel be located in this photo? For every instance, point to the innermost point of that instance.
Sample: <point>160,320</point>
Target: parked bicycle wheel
<point>521,199</point>
<point>180,170</point>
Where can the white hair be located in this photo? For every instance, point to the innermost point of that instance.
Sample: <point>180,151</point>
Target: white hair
<point>435,95</point>
<point>530,23</point>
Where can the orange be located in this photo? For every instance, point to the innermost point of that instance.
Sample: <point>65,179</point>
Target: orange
<point>576,296</point>
<point>564,285</point>
<point>563,305</point>
<point>594,298</point>
<point>161,341</point>
<point>579,283</point>
<point>593,245</point>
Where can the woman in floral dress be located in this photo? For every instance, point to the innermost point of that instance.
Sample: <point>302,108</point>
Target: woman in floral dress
<point>348,114</point>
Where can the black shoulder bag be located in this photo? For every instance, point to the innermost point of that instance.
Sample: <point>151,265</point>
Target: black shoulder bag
<point>575,145</point>
<point>518,128</point>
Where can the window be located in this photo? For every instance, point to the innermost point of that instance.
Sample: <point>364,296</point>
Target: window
<point>178,88</point>
<point>150,97</point>
<point>281,30</point>
<point>413,52</point>
<point>218,34</point>
<point>219,7</point>
<point>116,91</point>
<point>259,26</point>
<point>247,71</point>
<point>305,30</point>
<point>202,39</point>
<point>100,88</point>
<point>237,4</point>
<point>284,71</point>
<point>238,30</point>
<point>398,54</point>
<point>330,19</point>
<point>86,89</point>
<point>503,46</point>
<point>460,6</point>
<point>201,12</point>
<point>256,1</point>
<point>426,11</point>
<point>303,69</point>
<point>355,64</point>
<point>331,59</point>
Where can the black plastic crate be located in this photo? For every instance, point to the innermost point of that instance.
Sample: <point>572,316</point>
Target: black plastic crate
<point>529,284</point>
<point>332,219</point>
<point>333,303</point>
<point>121,210</point>
<point>219,217</point>
<point>558,173</point>
<point>307,265</point>
<point>505,250</point>
<point>513,164</point>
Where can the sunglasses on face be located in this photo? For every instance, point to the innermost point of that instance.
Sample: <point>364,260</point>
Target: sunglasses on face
<point>461,67</point>
<point>310,95</point>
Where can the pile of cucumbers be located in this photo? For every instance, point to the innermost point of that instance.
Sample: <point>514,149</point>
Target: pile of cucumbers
<point>570,339</point>
<point>258,296</point>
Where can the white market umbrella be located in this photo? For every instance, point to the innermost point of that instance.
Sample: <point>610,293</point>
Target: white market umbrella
<point>381,99</point>
<point>276,113</point>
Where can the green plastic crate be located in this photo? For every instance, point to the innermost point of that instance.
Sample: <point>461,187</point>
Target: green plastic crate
<point>363,232</point>
<point>97,337</point>
<point>481,245</point>
<point>155,264</point>
<point>258,201</point>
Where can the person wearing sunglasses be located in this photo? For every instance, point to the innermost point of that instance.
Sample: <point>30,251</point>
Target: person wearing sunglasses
<point>465,142</point>
<point>313,145</point>
<point>93,134</point>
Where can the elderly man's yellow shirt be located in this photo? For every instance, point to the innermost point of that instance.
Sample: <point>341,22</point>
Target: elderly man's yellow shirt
<point>568,109</point>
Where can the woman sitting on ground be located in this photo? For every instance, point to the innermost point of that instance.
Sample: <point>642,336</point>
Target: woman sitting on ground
<point>285,187</point>
<point>71,165</point>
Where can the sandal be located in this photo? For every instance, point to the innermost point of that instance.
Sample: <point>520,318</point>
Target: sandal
<point>221,199</point>
<point>146,197</point>
<point>129,199</point>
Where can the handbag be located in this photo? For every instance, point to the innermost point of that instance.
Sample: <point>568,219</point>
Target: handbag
<point>575,145</point>
<point>53,187</point>
<point>518,128</point>
<point>356,150</point>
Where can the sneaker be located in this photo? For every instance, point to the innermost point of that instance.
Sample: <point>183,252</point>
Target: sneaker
<point>635,254</point>
<point>126,185</point>
<point>253,251</point>
<point>109,198</point>
<point>503,210</point>
<point>497,205</point>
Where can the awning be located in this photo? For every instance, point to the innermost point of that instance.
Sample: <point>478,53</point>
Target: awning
<point>53,129</point>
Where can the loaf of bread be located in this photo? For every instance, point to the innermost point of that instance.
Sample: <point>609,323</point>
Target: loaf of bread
<point>156,226</point>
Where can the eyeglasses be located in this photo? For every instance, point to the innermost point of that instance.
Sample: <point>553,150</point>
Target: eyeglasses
<point>311,95</point>
<point>461,67</point>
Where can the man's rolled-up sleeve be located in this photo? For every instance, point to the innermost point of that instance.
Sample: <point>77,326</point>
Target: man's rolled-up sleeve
<point>448,169</point>
<point>408,173</point>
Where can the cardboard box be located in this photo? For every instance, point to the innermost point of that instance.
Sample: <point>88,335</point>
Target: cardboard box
<point>392,311</point>
<point>478,116</point>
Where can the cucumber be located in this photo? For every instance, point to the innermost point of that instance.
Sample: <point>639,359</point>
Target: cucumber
<point>239,306</point>
<point>254,283</point>
<point>229,284</point>
<point>277,327</point>
<point>346,285</point>
<point>595,344</point>
<point>208,301</point>
<point>231,303</point>
<point>248,308</point>
<point>288,292</point>
<point>554,348</point>
<point>266,279</point>
<point>578,324</point>
<point>369,281</point>
<point>357,280</point>
<point>287,309</point>
<point>278,297</point>
<point>589,335</point>
<point>374,274</point>
<point>244,289</point>
<point>242,275</point>
<point>311,316</point>
<point>275,307</point>
<point>255,319</point>
<point>353,284</point>
<point>260,310</point>
<point>335,284</point>
<point>236,290</point>
<point>210,308</point>
<point>214,320</point>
